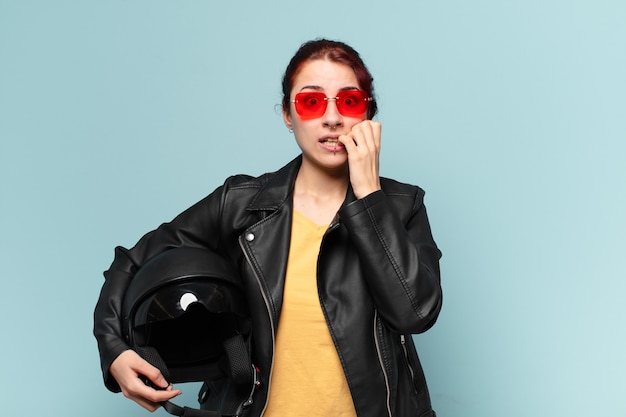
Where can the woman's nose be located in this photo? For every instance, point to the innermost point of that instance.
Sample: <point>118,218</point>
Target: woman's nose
<point>332,118</point>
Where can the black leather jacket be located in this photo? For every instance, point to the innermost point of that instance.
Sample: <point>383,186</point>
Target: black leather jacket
<point>378,279</point>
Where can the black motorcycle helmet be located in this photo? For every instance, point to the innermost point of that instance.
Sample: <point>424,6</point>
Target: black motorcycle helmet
<point>184,312</point>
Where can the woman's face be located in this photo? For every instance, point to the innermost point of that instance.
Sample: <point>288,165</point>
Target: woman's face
<point>317,137</point>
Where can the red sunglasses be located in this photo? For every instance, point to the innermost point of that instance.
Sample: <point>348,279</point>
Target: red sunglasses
<point>350,103</point>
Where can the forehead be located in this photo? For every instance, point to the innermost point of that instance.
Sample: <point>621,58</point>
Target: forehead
<point>324,75</point>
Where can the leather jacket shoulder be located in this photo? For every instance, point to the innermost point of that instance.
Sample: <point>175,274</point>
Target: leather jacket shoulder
<point>380,248</point>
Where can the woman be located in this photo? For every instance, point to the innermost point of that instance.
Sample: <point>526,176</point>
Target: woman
<point>339,265</point>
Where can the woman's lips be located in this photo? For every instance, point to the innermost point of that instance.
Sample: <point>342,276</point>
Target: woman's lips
<point>331,144</point>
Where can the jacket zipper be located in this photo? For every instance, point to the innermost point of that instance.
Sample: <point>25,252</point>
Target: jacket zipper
<point>382,363</point>
<point>406,357</point>
<point>267,307</point>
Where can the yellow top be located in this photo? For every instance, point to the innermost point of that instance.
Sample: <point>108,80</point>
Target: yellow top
<point>307,377</point>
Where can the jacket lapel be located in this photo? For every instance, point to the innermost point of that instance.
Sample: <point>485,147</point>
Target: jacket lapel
<point>266,243</point>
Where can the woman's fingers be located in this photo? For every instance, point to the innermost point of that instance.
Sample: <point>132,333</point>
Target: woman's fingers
<point>365,134</point>
<point>127,369</point>
<point>362,144</point>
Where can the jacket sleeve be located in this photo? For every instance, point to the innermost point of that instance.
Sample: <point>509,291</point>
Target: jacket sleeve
<point>195,227</point>
<point>396,248</point>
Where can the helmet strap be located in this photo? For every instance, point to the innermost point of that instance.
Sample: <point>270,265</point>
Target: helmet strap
<point>239,363</point>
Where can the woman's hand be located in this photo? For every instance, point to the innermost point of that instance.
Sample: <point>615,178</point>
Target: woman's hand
<point>127,368</point>
<point>363,146</point>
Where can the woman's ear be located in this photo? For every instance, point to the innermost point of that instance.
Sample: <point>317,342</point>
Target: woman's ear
<point>287,120</point>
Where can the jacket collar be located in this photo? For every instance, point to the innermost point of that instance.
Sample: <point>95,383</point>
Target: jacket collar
<point>278,187</point>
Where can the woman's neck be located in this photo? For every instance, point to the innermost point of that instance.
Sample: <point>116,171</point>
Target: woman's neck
<point>319,194</point>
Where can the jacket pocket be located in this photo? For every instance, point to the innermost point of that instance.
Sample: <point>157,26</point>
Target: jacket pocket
<point>409,361</point>
<point>416,374</point>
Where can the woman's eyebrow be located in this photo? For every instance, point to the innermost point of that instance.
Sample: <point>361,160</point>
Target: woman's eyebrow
<point>312,87</point>
<point>318,88</point>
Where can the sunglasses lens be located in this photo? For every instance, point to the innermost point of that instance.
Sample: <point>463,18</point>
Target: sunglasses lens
<point>352,102</point>
<point>310,104</point>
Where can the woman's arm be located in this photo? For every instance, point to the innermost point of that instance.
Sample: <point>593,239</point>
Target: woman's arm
<point>393,239</point>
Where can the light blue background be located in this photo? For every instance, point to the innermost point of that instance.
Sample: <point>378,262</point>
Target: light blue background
<point>117,115</point>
